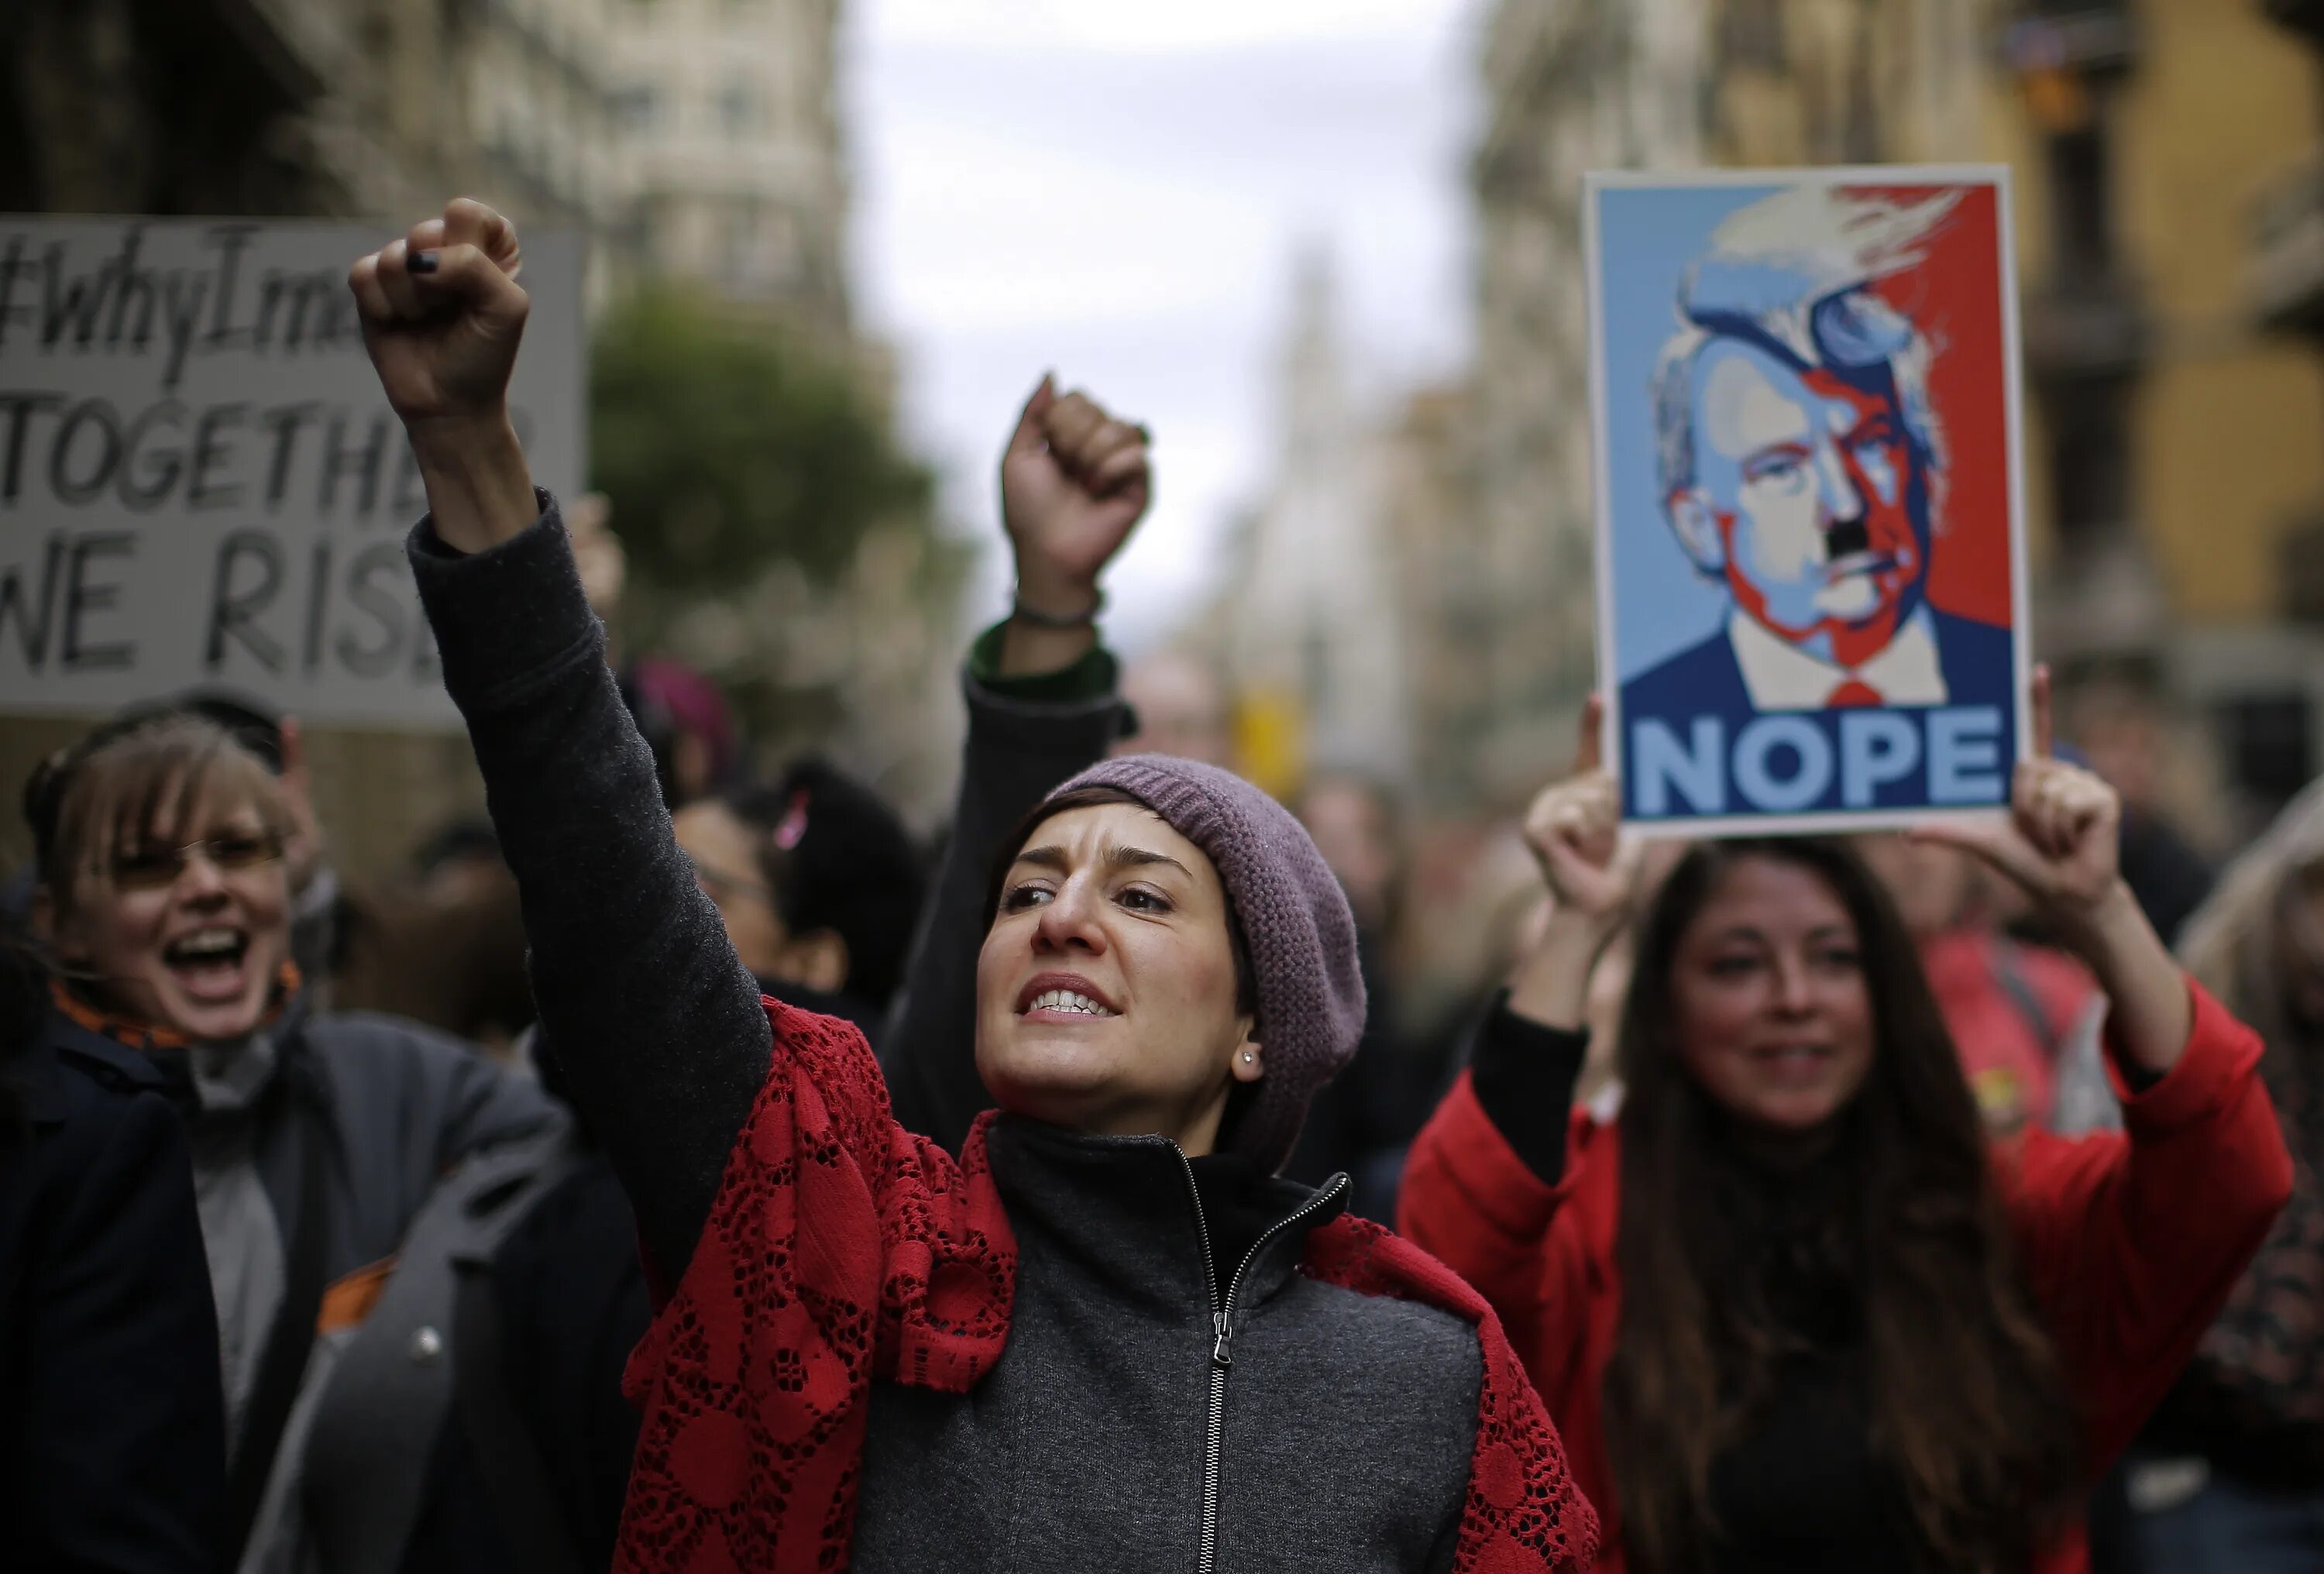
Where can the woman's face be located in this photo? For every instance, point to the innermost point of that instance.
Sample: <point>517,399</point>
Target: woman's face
<point>725,852</point>
<point>1774,1019</point>
<point>191,938</point>
<point>1106,992</point>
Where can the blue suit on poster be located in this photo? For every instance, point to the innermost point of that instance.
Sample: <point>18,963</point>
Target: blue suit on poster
<point>1800,464</point>
<point>1967,741</point>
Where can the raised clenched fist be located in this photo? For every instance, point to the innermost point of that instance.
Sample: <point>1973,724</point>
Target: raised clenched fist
<point>442,314</point>
<point>1073,482</point>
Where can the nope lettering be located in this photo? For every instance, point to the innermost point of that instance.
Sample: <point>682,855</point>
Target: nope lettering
<point>1817,761</point>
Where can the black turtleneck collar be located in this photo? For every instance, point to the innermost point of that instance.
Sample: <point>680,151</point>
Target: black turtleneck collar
<point>1126,1210</point>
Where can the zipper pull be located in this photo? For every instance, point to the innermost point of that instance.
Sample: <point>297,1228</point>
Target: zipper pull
<point>1219,1353</point>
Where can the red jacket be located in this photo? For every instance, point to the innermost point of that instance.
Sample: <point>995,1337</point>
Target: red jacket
<point>843,1250</point>
<point>2010,1010</point>
<point>2130,1241</point>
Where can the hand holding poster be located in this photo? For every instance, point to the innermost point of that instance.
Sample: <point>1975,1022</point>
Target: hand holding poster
<point>200,480</point>
<point>1810,554</point>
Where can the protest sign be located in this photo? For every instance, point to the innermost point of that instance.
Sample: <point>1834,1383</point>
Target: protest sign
<point>200,480</point>
<point>1810,564</point>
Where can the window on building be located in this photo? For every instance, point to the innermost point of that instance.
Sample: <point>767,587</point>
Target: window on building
<point>1751,33</point>
<point>638,107</point>
<point>743,246</point>
<point>2089,460</point>
<point>738,109</point>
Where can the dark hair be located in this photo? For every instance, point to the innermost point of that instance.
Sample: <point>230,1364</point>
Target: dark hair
<point>460,840</point>
<point>1967,1405</point>
<point>254,726</point>
<point>1240,1095</point>
<point>836,857</point>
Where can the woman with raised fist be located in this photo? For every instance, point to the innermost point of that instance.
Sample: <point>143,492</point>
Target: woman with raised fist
<point>1788,1307</point>
<point>1104,1337</point>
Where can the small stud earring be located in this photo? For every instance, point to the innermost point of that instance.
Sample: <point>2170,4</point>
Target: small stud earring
<point>1248,1057</point>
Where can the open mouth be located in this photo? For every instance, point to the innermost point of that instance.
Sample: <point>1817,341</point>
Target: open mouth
<point>209,962</point>
<point>1790,1063</point>
<point>1062,998</point>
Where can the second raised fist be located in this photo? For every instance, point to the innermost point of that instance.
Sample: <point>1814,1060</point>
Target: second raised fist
<point>1074,481</point>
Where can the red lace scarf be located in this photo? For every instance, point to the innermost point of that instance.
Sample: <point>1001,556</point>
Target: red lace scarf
<point>842,1248</point>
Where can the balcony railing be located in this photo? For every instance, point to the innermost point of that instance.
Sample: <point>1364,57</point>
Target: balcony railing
<point>2284,276</point>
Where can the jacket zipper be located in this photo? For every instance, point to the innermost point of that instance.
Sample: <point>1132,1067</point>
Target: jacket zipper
<point>1223,1338</point>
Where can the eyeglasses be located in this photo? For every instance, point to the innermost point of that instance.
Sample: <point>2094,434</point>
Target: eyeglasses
<point>153,867</point>
<point>716,883</point>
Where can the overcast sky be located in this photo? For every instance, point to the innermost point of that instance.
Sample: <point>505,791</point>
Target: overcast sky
<point>1119,191</point>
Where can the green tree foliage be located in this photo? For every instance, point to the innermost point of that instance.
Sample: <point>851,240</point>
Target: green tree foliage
<point>779,537</point>
<point>728,444</point>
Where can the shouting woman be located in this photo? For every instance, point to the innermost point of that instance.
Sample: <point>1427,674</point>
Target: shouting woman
<point>1789,1308</point>
<point>1104,1337</point>
<point>160,842</point>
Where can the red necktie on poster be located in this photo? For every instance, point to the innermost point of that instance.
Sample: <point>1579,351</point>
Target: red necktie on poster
<point>1852,695</point>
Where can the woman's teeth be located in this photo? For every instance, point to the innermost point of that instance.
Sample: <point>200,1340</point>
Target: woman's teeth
<point>1067,1000</point>
<point>205,947</point>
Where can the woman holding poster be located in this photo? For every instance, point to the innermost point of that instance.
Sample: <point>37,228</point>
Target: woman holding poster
<point>1787,1306</point>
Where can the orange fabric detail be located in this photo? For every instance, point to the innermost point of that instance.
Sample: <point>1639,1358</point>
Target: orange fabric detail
<point>148,1036</point>
<point>1853,694</point>
<point>348,1299</point>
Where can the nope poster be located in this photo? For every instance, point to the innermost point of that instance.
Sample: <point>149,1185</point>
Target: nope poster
<point>1811,580</point>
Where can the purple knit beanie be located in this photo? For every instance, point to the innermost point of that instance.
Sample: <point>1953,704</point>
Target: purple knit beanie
<point>1296,923</point>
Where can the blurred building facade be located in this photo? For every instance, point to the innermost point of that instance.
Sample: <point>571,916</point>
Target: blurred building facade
<point>1570,85</point>
<point>730,153</point>
<point>128,106</point>
<point>2170,228</point>
<point>359,108</point>
<point>1309,631</point>
<point>694,138</point>
<point>1427,504</point>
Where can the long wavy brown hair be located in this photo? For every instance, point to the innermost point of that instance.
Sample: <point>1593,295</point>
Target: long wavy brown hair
<point>1969,1410</point>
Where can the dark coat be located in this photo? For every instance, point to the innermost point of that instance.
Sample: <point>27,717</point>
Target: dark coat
<point>112,1426</point>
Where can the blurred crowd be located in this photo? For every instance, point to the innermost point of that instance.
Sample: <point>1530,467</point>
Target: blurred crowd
<point>295,1161</point>
<point>819,883</point>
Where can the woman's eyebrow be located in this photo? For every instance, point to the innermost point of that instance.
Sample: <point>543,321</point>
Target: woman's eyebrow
<point>1143,858</point>
<point>1055,859</point>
